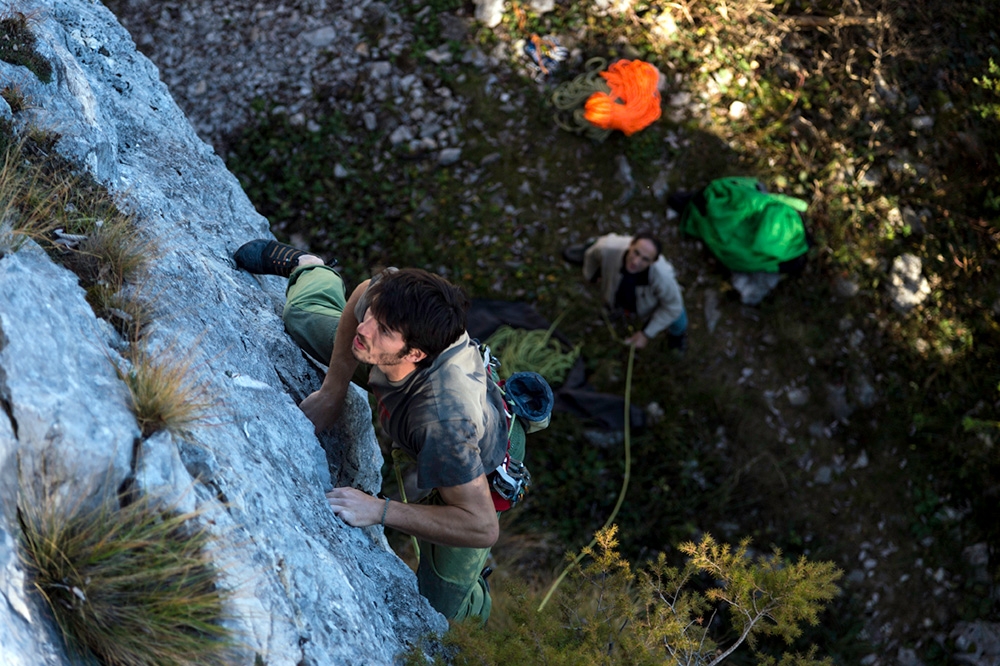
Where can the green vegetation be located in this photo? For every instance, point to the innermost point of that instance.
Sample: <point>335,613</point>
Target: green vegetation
<point>881,116</point>
<point>17,45</point>
<point>127,583</point>
<point>658,614</point>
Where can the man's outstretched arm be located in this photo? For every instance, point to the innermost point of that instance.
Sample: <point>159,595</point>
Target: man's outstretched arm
<point>323,407</point>
<point>467,518</point>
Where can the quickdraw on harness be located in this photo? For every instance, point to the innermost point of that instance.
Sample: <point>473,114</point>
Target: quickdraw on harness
<point>510,480</point>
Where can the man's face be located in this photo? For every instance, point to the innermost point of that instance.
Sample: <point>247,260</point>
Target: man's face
<point>641,254</point>
<point>377,345</point>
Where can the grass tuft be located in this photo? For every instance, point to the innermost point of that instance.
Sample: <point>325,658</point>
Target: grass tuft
<point>165,393</point>
<point>129,584</point>
<point>15,99</point>
<point>27,205</point>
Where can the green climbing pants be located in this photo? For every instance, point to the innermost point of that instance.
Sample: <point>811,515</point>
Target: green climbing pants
<point>449,577</point>
<point>314,301</point>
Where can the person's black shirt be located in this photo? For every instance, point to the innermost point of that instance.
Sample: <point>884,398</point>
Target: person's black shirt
<point>625,296</point>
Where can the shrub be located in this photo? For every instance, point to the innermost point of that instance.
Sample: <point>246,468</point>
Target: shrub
<point>612,614</point>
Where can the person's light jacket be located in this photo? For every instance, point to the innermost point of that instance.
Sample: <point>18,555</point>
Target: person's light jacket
<point>660,301</point>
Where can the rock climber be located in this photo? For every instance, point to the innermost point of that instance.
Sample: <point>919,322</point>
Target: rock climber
<point>434,400</point>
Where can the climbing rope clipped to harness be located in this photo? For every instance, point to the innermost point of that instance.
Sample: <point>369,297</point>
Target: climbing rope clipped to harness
<point>621,494</point>
<point>624,97</point>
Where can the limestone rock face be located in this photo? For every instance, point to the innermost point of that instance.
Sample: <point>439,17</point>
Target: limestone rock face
<point>308,588</point>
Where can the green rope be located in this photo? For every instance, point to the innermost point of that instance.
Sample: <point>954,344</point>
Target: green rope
<point>570,97</point>
<point>621,495</point>
<point>397,454</point>
<point>536,351</point>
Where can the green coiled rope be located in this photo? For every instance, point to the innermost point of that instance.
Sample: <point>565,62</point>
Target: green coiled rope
<point>570,97</point>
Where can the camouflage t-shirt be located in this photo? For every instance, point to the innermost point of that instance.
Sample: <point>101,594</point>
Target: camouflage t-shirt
<point>447,416</point>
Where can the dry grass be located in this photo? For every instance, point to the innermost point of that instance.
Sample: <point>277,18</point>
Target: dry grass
<point>28,204</point>
<point>165,391</point>
<point>131,585</point>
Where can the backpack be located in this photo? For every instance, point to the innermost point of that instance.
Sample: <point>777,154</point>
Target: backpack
<point>747,229</point>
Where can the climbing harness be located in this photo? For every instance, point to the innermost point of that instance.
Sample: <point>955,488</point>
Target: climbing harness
<point>525,395</point>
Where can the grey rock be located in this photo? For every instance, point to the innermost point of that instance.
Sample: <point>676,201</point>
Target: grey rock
<point>753,287</point>
<point>864,392</point>
<point>309,589</point>
<point>439,56</point>
<point>797,397</point>
<point>449,156</point>
<point>836,398</point>
<point>712,313</point>
<point>661,186</point>
<point>845,287</point>
<point>489,12</point>
<point>320,37</point>
<point>542,6</point>
<point>401,134</point>
<point>907,286</point>
<point>978,643</point>
<point>908,657</point>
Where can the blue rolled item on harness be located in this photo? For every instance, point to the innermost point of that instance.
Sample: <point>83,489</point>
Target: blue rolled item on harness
<point>530,398</point>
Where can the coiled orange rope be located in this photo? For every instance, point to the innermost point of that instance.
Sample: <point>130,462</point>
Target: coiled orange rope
<point>634,101</point>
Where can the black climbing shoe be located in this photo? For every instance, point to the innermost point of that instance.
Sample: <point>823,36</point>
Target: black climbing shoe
<point>574,253</point>
<point>678,342</point>
<point>264,257</point>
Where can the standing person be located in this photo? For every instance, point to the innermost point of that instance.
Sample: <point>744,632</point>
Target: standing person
<point>638,280</point>
<point>435,401</point>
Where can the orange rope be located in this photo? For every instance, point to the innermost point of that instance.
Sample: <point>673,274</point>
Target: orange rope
<point>634,101</point>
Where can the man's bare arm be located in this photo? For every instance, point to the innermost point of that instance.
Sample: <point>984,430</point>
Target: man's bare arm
<point>467,519</point>
<point>323,407</point>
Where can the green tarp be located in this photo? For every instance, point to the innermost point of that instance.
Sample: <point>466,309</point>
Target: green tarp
<point>748,230</point>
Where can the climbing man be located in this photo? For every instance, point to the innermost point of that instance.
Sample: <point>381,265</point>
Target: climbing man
<point>435,401</point>
<point>637,280</point>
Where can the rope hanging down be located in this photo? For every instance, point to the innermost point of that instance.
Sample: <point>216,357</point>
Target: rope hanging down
<point>621,494</point>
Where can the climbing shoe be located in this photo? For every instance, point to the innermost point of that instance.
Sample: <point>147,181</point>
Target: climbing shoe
<point>264,257</point>
<point>574,253</point>
<point>679,343</point>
